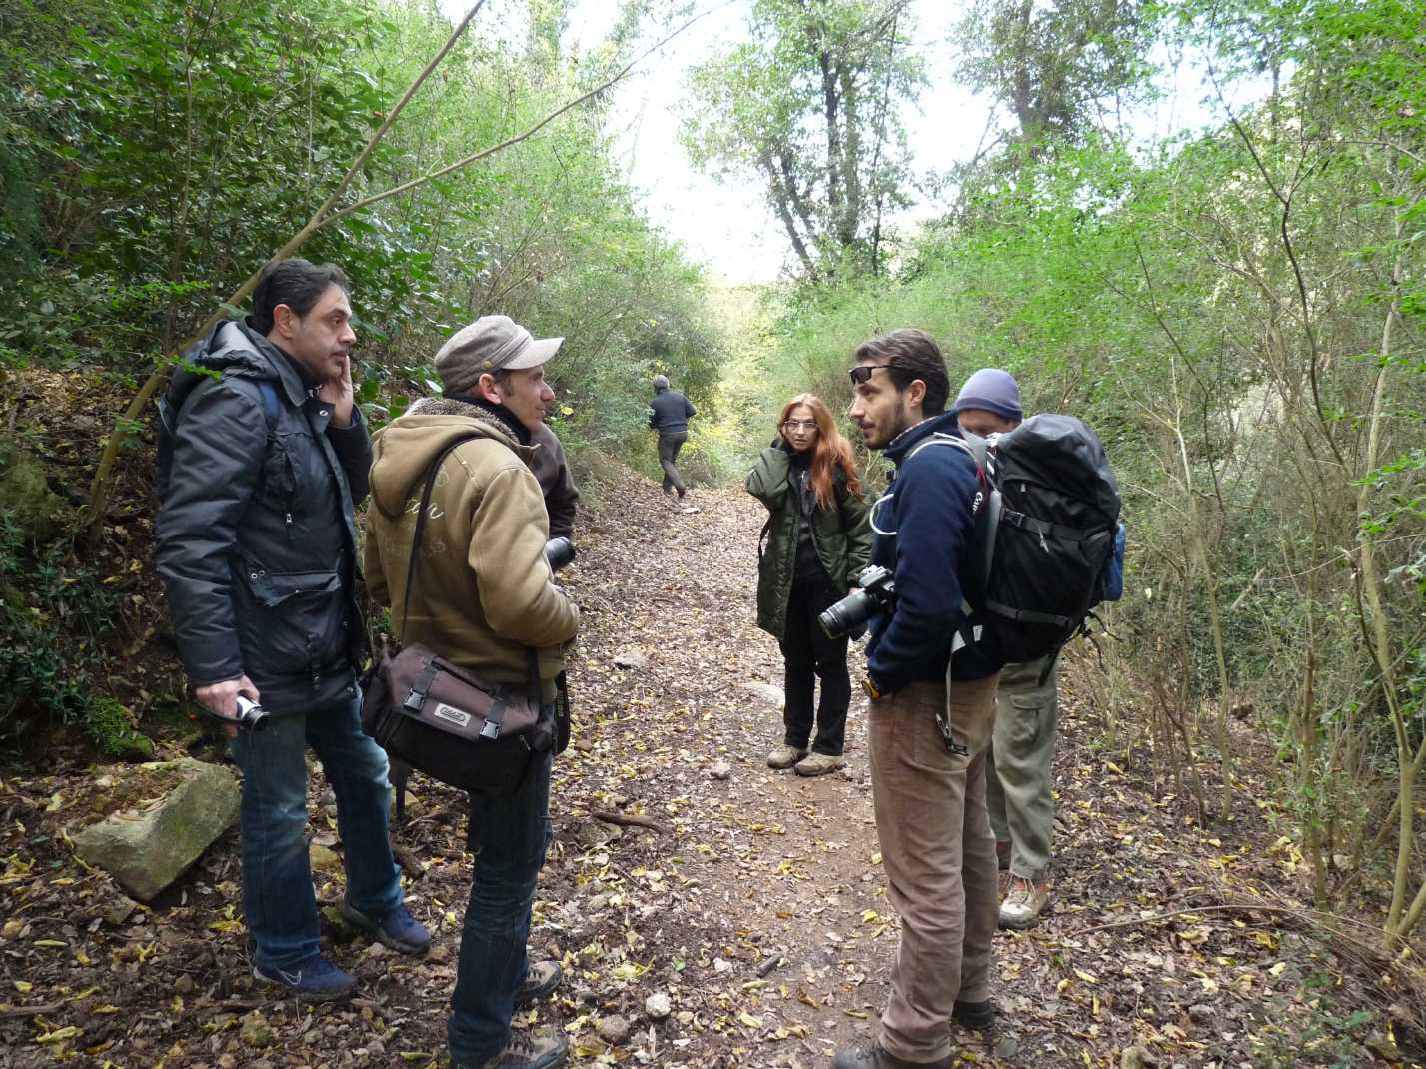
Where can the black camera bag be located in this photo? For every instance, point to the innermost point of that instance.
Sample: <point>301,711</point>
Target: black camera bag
<point>430,714</point>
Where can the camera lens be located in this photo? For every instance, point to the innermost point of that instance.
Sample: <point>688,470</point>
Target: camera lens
<point>846,614</point>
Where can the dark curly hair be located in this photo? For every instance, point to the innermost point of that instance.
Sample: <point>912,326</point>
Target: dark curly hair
<point>911,354</point>
<point>297,283</point>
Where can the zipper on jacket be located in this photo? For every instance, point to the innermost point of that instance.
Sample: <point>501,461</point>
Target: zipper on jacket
<point>288,521</point>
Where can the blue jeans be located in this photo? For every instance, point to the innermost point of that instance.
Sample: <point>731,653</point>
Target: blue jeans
<point>514,834</point>
<point>278,897</point>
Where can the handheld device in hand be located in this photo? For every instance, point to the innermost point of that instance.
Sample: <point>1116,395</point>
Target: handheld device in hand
<point>250,713</point>
<point>559,552</point>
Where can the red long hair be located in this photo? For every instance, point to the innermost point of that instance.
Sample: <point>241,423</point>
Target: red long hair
<point>829,452</point>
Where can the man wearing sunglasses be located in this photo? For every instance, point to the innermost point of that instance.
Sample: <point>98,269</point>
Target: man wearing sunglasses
<point>932,689</point>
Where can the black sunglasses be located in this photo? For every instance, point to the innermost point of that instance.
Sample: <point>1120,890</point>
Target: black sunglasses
<point>862,372</point>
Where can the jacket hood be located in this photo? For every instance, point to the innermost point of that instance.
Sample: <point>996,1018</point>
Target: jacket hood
<point>403,450</point>
<point>236,347</point>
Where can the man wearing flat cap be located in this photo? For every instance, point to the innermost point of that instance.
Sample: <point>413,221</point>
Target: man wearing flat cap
<point>484,598</point>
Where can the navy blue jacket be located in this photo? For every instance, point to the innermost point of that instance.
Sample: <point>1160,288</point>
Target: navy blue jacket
<point>928,512</point>
<point>670,411</point>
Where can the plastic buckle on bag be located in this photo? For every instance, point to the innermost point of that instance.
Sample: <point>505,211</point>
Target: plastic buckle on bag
<point>414,700</point>
<point>491,730</point>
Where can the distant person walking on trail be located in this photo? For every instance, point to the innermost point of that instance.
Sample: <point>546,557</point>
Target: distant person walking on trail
<point>932,687</point>
<point>490,606</point>
<point>1020,762</point>
<point>261,463</point>
<point>817,540</point>
<point>669,413</point>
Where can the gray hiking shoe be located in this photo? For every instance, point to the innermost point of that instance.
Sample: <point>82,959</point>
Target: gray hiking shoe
<point>785,756</point>
<point>542,978</point>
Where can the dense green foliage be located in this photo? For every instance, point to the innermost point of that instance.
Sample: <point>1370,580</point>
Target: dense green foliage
<point>155,153</point>
<point>1239,314</point>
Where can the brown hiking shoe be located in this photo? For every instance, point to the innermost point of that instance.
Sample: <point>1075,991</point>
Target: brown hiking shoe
<point>541,978</point>
<point>1024,903</point>
<point>527,1050</point>
<point>878,1057</point>
<point>785,756</point>
<point>818,764</point>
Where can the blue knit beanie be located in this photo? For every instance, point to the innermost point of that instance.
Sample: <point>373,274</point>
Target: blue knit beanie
<point>990,390</point>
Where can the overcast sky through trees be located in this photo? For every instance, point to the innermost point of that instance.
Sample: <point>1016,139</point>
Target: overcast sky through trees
<point>729,226</point>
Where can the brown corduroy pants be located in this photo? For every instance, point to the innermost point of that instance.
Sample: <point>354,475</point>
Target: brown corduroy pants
<point>939,856</point>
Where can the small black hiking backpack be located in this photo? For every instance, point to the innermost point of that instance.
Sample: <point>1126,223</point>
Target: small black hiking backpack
<point>170,405</point>
<point>1046,520</point>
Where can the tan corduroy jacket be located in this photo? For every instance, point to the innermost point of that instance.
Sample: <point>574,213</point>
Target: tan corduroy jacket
<point>484,594</point>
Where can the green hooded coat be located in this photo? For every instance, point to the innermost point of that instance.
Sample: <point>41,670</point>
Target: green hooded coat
<point>841,536</point>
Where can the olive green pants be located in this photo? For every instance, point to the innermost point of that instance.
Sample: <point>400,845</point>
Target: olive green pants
<point>1021,765</point>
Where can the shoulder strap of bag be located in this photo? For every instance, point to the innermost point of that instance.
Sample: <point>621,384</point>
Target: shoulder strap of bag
<point>493,726</point>
<point>271,406</point>
<point>421,522</point>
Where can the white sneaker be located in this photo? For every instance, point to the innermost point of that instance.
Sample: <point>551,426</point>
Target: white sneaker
<point>1024,903</point>
<point>818,764</point>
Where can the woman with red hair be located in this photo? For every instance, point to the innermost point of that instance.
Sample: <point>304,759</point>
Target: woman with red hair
<point>815,542</point>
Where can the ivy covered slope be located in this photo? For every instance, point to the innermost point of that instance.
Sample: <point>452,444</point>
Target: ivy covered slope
<point>153,155</point>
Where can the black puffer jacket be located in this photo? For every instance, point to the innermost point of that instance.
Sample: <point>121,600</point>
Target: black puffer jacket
<point>255,538</point>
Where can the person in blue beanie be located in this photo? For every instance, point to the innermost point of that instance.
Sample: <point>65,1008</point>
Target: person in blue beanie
<point>1020,763</point>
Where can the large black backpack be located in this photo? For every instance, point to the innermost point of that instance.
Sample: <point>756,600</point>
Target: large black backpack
<point>1045,524</point>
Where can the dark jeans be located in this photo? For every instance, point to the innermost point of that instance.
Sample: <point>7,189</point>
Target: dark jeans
<point>807,651</point>
<point>514,834</point>
<point>278,898</point>
<point>669,445</point>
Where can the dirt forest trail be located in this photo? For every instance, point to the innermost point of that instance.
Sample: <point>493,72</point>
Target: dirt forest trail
<point>776,878</point>
<point>709,913</point>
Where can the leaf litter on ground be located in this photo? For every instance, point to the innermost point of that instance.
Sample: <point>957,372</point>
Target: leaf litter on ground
<point>702,921</point>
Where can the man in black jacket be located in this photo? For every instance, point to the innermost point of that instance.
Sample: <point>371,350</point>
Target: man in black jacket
<point>263,457</point>
<point>551,468</point>
<point>669,413</point>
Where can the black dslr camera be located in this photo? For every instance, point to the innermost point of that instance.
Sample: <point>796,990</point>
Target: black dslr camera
<point>850,615</point>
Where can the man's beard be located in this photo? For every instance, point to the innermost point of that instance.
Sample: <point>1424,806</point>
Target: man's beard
<point>903,423</point>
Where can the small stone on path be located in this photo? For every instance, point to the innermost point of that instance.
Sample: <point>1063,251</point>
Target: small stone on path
<point>766,691</point>
<point>613,1029</point>
<point>658,1005</point>
<point>631,658</point>
<point>256,1032</point>
<point>720,770</point>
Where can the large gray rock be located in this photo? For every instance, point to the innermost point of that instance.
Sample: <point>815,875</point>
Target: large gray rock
<point>147,851</point>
